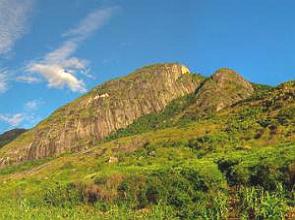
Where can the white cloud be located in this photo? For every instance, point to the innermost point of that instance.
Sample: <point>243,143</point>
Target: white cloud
<point>12,120</point>
<point>60,67</point>
<point>91,23</point>
<point>13,19</point>
<point>32,105</point>
<point>26,118</point>
<point>58,77</point>
<point>28,79</point>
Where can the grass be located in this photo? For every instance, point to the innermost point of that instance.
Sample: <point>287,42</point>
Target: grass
<point>67,180</point>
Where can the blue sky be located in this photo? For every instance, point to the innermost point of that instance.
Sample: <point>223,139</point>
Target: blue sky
<point>52,51</point>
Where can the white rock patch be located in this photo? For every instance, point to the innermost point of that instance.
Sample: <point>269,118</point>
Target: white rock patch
<point>106,95</point>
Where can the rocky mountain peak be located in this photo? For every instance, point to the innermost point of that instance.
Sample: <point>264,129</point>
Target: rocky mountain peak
<point>228,76</point>
<point>165,68</point>
<point>227,87</point>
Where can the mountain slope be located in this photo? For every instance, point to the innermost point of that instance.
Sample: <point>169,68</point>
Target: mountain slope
<point>234,162</point>
<point>224,88</point>
<point>105,109</point>
<point>9,136</point>
<point>261,119</point>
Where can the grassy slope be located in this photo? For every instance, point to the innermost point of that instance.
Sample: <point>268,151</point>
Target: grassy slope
<point>252,145</point>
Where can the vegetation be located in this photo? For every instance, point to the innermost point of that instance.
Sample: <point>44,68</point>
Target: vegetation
<point>236,163</point>
<point>154,183</point>
<point>154,121</point>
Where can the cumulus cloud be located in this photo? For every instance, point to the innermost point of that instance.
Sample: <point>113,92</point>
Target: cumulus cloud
<point>58,77</point>
<point>13,22</point>
<point>59,67</point>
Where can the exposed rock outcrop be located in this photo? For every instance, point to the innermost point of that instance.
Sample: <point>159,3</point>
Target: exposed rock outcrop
<point>107,108</point>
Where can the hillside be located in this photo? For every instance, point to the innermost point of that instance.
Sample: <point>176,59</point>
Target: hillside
<point>9,136</point>
<point>160,143</point>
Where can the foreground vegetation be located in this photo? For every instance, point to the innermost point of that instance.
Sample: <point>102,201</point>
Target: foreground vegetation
<point>163,182</point>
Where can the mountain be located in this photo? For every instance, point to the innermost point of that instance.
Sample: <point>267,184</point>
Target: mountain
<point>105,109</point>
<point>9,136</point>
<point>160,143</point>
<point>118,103</point>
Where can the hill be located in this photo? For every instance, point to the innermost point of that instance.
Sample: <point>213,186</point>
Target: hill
<point>170,145</point>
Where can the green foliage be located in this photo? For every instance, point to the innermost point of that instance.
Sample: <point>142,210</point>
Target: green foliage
<point>182,188</point>
<point>213,143</point>
<point>159,188</point>
<point>22,167</point>
<point>261,204</point>
<point>62,195</point>
<point>286,115</point>
<point>259,167</point>
<point>155,121</point>
<point>242,121</point>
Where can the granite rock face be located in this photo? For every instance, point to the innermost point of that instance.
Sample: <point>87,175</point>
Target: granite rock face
<point>107,108</point>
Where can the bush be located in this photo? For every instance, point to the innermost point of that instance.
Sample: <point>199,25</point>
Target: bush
<point>212,143</point>
<point>265,176</point>
<point>63,195</point>
<point>182,188</point>
<point>259,167</point>
<point>287,114</point>
<point>132,190</point>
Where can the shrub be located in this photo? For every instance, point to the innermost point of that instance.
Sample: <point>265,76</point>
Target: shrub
<point>286,114</point>
<point>63,195</point>
<point>132,190</point>
<point>265,176</point>
<point>264,122</point>
<point>182,188</point>
<point>212,143</point>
